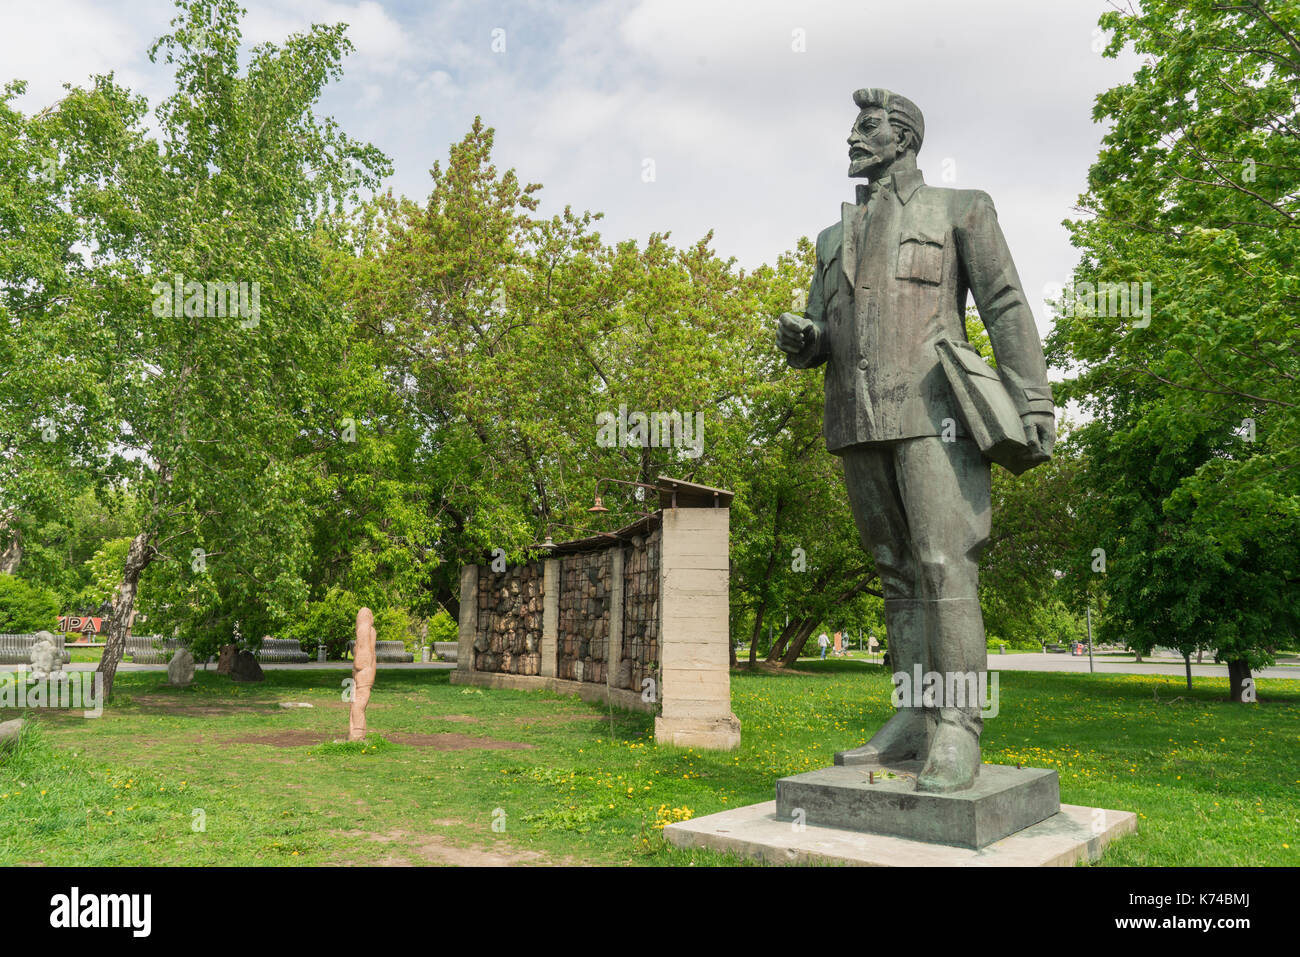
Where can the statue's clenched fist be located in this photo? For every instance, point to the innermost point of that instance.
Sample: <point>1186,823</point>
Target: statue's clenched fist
<point>793,333</point>
<point>1040,434</point>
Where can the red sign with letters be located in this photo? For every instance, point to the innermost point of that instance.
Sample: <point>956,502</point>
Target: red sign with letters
<point>86,626</point>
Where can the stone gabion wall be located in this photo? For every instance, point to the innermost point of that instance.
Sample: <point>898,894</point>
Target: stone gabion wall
<point>509,638</point>
<point>584,616</point>
<point>640,657</point>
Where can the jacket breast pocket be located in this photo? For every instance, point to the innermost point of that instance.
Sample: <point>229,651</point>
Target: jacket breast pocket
<point>920,256</point>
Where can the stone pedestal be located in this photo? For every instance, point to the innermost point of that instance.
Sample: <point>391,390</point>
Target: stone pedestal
<point>468,619</point>
<point>884,800</point>
<point>550,617</point>
<point>694,605</point>
<point>875,816</point>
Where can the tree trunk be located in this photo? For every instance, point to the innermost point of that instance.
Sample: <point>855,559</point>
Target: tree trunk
<point>779,646</point>
<point>753,638</point>
<point>1242,686</point>
<point>119,627</point>
<point>12,556</point>
<point>792,653</point>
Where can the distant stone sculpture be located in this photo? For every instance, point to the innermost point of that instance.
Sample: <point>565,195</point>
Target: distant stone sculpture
<point>363,673</point>
<point>180,670</point>
<point>226,658</point>
<point>245,668</point>
<point>46,657</point>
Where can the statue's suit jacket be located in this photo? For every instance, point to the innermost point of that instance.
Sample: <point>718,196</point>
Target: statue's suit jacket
<point>887,289</point>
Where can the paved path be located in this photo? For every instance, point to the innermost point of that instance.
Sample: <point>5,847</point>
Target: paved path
<point>1034,661</point>
<point>1126,665</point>
<point>1117,665</point>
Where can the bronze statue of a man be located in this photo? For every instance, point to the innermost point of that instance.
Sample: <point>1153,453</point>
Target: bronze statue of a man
<point>888,293</point>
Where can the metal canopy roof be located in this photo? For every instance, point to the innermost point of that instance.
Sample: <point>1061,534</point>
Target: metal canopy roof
<point>673,493</point>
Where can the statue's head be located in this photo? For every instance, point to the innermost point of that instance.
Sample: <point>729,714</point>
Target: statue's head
<point>888,127</point>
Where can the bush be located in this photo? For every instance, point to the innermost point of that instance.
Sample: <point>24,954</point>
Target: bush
<point>332,621</point>
<point>394,624</point>
<point>25,607</point>
<point>1013,644</point>
<point>442,627</point>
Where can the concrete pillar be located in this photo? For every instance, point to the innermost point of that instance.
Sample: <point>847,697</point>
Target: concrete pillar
<point>550,616</point>
<point>614,646</point>
<point>694,631</point>
<point>468,618</point>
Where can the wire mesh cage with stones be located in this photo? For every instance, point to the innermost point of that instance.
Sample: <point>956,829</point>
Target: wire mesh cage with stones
<point>509,635</point>
<point>584,616</point>
<point>640,652</point>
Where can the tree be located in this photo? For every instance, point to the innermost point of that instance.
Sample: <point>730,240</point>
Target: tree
<point>1194,192</point>
<point>208,341</point>
<point>1171,577</point>
<point>507,339</point>
<point>1195,391</point>
<point>1035,538</point>
<point>59,544</point>
<point>56,169</point>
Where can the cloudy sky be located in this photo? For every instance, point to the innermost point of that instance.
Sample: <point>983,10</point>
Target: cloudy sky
<point>741,106</point>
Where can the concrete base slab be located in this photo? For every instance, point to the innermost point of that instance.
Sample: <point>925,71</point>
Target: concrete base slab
<point>884,800</point>
<point>1072,835</point>
<point>587,690</point>
<point>717,734</point>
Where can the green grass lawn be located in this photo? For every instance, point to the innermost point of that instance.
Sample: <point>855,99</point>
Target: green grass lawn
<point>564,782</point>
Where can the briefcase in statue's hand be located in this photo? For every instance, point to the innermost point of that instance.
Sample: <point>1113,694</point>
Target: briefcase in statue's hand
<point>989,413</point>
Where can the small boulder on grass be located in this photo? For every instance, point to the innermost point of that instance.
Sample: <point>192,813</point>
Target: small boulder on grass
<point>180,670</point>
<point>245,668</point>
<point>9,731</point>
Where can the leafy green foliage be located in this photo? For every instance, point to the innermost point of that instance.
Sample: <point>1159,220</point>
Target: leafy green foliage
<point>1192,460</point>
<point>25,607</point>
<point>332,620</point>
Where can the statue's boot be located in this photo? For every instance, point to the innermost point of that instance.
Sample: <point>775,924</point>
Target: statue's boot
<point>905,735</point>
<point>958,654</point>
<point>953,761</point>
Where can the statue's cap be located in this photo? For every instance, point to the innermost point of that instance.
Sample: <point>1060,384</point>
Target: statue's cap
<point>902,111</point>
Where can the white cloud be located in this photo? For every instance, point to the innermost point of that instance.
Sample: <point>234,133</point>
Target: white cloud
<point>67,41</point>
<point>382,45</point>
